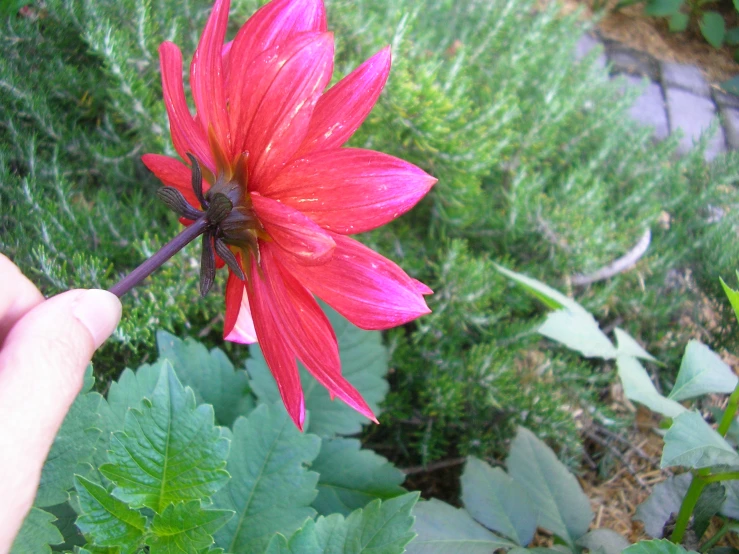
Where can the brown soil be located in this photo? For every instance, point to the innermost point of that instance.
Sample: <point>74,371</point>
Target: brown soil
<point>647,34</point>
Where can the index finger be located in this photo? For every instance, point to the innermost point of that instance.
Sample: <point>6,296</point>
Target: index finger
<point>18,296</point>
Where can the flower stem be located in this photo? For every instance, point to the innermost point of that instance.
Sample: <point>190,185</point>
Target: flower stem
<point>157,260</point>
<point>729,413</point>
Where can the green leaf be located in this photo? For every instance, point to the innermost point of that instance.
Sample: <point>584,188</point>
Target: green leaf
<point>498,502</point>
<point>271,489</point>
<point>364,365</point>
<point>730,508</point>
<point>444,529</point>
<point>665,500</point>
<point>638,387</point>
<point>65,522</point>
<point>657,547</point>
<point>106,519</point>
<point>169,450</point>
<point>128,392</point>
<point>185,527</point>
<point>550,297</point>
<point>73,445</point>
<point>627,346</point>
<point>731,294</point>
<point>661,8</point>
<point>713,28</point>
<point>702,372</point>
<point>210,375</point>
<point>579,332</point>
<point>692,443</point>
<point>563,507</point>
<point>679,22</point>
<point>604,541</point>
<point>350,478</point>
<point>36,534</point>
<point>732,85</point>
<point>708,505</point>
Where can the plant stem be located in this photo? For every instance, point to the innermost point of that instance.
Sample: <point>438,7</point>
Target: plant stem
<point>726,476</point>
<point>715,538</point>
<point>157,260</point>
<point>729,413</point>
<point>686,508</point>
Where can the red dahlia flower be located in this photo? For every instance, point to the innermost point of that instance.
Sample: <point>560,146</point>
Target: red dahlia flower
<point>268,136</point>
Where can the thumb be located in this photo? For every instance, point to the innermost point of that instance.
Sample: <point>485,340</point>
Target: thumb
<point>42,365</point>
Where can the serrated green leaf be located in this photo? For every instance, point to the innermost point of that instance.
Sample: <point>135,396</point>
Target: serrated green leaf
<point>270,488</point>
<point>210,375</point>
<point>709,503</point>
<point>627,346</point>
<point>661,8</point>
<point>713,28</point>
<point>277,545</point>
<point>73,445</point>
<point>605,541</point>
<point>444,529</point>
<point>185,527</point>
<point>498,502</point>
<point>364,365</point>
<point>580,332</point>
<point>65,522</point>
<point>128,392</point>
<point>350,477</point>
<point>657,547</point>
<point>36,534</point>
<point>691,442</point>
<point>679,22</point>
<point>731,294</point>
<point>106,519</point>
<point>664,501</point>
<point>563,507</point>
<point>702,372</point>
<point>638,387</point>
<point>169,451</point>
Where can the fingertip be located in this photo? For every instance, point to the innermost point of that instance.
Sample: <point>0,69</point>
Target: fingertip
<point>99,311</point>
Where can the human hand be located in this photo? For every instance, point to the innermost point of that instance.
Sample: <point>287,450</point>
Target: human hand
<point>45,346</point>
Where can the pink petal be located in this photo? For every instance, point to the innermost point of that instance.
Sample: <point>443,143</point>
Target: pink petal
<point>421,288</point>
<point>173,173</point>
<point>306,328</point>
<point>343,108</point>
<point>271,102</point>
<point>348,190</point>
<point>277,22</point>
<point>277,351</point>
<point>206,75</point>
<point>293,232</point>
<point>239,325</point>
<point>187,136</point>
<point>366,288</point>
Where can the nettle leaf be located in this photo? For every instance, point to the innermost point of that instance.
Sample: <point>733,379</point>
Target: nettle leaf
<point>605,541</point>
<point>36,534</point>
<point>713,28</point>
<point>657,547</point>
<point>732,294</point>
<point>638,387</point>
<point>627,346</point>
<point>364,362</point>
<point>109,521</point>
<point>444,529</point>
<point>65,522</point>
<point>665,500</point>
<point>563,507</point>
<point>211,376</point>
<point>702,371</point>
<point>692,443</point>
<point>351,477</point>
<point>128,392</point>
<point>579,332</point>
<point>498,502</point>
<point>169,451</point>
<point>185,527</point>
<point>271,489</point>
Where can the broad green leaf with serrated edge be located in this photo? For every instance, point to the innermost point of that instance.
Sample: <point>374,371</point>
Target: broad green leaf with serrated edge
<point>552,298</point>
<point>363,364</point>
<point>350,477</point>
<point>278,545</point>
<point>106,519</point>
<point>36,534</point>
<point>270,488</point>
<point>65,522</point>
<point>661,8</point>
<point>185,527</point>
<point>578,332</point>
<point>73,445</point>
<point>713,28</point>
<point>657,547</point>
<point>210,375</point>
<point>627,346</point>
<point>732,294</point>
<point>606,541</point>
<point>444,529</point>
<point>128,392</point>
<point>702,372</point>
<point>168,451</point>
<point>638,387</point>
<point>664,501</point>
<point>498,502</point>
<point>691,442</point>
<point>563,507</point>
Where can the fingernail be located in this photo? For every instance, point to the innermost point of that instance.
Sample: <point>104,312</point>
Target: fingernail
<point>99,311</point>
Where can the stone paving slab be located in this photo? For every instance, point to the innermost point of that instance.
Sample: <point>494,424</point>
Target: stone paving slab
<point>687,77</point>
<point>649,107</point>
<point>626,60</point>
<point>585,45</point>
<point>693,114</point>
